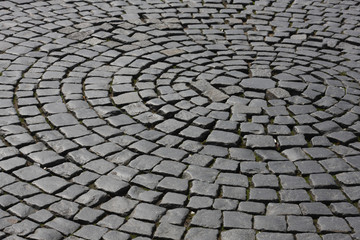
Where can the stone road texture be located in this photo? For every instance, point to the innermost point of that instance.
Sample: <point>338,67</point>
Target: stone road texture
<point>231,120</point>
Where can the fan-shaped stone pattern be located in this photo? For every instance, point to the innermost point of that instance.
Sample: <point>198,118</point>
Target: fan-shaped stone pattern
<point>179,119</point>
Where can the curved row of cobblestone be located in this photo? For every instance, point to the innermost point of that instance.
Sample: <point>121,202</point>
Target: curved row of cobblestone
<point>176,119</point>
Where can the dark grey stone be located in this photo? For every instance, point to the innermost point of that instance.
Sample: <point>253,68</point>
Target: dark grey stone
<point>309,167</point>
<point>19,140</point>
<point>12,164</point>
<point>263,195</point>
<point>282,209</point>
<point>223,138</point>
<point>297,140</point>
<point>333,224</point>
<point>171,199</point>
<point>261,180</point>
<point>207,219</point>
<point>250,168</point>
<point>327,127</point>
<point>242,154</point>
<point>175,216</point>
<point>314,209</point>
<point>284,120</point>
<point>46,158</point>
<point>323,180</point>
<point>64,208</point>
<point>143,146</point>
<point>232,179</point>
<point>202,233</point>
<point>62,119</point>
<point>295,196</point>
<point>122,157</point>
<point>22,228</point>
<point>195,133</point>
<point>21,189</point>
<point>105,149</point>
<point>169,231</point>
<point>238,234</point>
<point>278,130</point>
<point>335,165</point>
<point>148,212</point>
<point>198,159</point>
<point>81,156</point>
<point>233,219</point>
<point>127,98</point>
<point>63,146</point>
<point>51,184</point>
<point>352,192</point>
<point>170,126</point>
<point>62,225</point>
<point>215,151</point>
<point>89,140</point>
<point>145,195</point>
<point>239,108</point>
<point>147,180</point>
<point>110,221</point>
<point>43,233</point>
<point>332,236</point>
<point>257,83</point>
<point>209,91</point>
<point>66,170</point>
<point>72,192</point>
<point>276,93</point>
<point>225,204</point>
<point>170,168</point>
<point>86,177</point>
<point>119,205</point>
<point>273,236</point>
<point>234,192</point>
<point>91,198</point>
<point>99,166</point>
<point>204,188</point>
<point>90,232</point>
<point>344,209</point>
<point>200,173</point>
<point>170,153</point>
<point>21,210</point>
<point>270,155</point>
<point>251,128</point>
<point>197,202</point>
<point>270,223</point>
<point>173,184</point>
<point>116,235</point>
<point>308,236</point>
<point>343,137</point>
<point>350,178</point>
<point>251,207</point>
<point>282,167</point>
<point>41,200</point>
<point>260,141</point>
<point>278,111</point>
<point>134,226</point>
<point>226,165</point>
<point>300,224</point>
<point>293,182</point>
<point>7,200</point>
<point>111,185</point>
<point>41,216</point>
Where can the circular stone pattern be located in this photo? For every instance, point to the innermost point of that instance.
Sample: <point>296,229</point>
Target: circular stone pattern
<point>175,119</point>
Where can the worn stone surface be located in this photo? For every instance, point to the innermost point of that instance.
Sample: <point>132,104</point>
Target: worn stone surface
<point>176,119</point>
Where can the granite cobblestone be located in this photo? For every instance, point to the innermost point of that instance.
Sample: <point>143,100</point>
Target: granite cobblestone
<point>173,119</point>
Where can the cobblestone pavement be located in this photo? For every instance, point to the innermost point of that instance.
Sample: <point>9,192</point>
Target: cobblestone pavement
<point>180,119</point>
